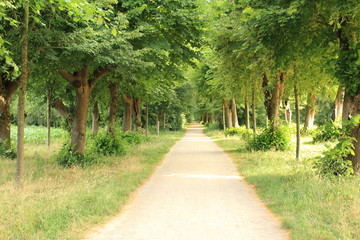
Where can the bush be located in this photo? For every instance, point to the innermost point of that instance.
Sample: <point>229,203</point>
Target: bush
<point>232,131</point>
<point>132,137</point>
<point>242,132</point>
<point>67,157</point>
<point>334,161</point>
<point>327,132</point>
<point>106,144</point>
<point>278,139</point>
<point>7,152</point>
<point>212,126</point>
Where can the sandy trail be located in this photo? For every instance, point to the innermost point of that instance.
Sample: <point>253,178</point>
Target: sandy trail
<point>195,194</point>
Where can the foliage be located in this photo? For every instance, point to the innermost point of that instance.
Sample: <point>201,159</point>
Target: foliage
<point>334,161</point>
<point>67,157</point>
<point>212,126</point>
<point>329,131</point>
<point>278,139</point>
<point>132,137</point>
<point>108,145</point>
<point>7,152</point>
<point>242,132</point>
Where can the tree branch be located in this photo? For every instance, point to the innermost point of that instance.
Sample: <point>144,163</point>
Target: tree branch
<point>97,75</point>
<point>68,76</point>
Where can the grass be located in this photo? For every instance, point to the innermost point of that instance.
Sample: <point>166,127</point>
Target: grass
<point>310,206</point>
<point>60,203</point>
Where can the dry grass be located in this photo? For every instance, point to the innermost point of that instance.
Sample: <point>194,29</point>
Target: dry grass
<point>59,203</point>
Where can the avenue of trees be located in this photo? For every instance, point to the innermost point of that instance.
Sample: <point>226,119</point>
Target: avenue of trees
<point>272,56</point>
<point>141,63</point>
<point>84,56</point>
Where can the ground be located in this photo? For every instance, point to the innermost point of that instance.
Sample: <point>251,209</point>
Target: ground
<point>196,193</point>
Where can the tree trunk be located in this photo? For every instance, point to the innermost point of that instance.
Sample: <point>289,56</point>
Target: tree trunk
<point>339,103</point>
<point>147,119</point>
<point>288,112</point>
<point>48,117</point>
<point>272,99</point>
<point>254,110</point>
<point>78,131</point>
<point>22,95</point>
<point>310,112</point>
<point>164,121</point>
<point>137,113</point>
<point>223,116</point>
<point>235,121</point>
<point>83,85</point>
<point>128,113</point>
<point>297,109</point>
<point>352,108</point>
<point>157,125</point>
<point>247,113</point>
<point>113,108</point>
<point>228,118</point>
<point>5,122</point>
<point>95,116</point>
<point>7,89</point>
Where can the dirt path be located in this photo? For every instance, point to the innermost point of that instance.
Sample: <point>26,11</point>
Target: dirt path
<point>195,194</point>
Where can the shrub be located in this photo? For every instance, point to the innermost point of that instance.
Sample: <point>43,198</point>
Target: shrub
<point>327,132</point>
<point>132,137</point>
<point>67,157</point>
<point>232,131</point>
<point>213,126</point>
<point>106,144</point>
<point>7,152</point>
<point>242,132</point>
<point>278,139</point>
<point>334,161</point>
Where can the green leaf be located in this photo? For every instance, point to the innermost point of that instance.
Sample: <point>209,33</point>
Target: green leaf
<point>114,32</point>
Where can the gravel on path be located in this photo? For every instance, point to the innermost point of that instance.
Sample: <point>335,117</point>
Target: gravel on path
<point>195,194</point>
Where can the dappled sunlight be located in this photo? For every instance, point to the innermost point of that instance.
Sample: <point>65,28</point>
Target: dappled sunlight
<point>202,176</point>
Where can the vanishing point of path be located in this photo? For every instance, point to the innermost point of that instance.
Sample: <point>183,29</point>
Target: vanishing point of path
<point>195,194</point>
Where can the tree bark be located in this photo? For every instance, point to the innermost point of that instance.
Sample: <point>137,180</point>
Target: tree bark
<point>95,116</point>
<point>288,112</point>
<point>352,108</point>
<point>64,112</point>
<point>228,118</point>
<point>48,117</point>
<point>128,112</point>
<point>235,121</point>
<point>254,110</point>
<point>339,103</point>
<point>297,109</point>
<point>272,99</point>
<point>147,119</point>
<point>223,116</point>
<point>247,113</point>
<point>114,105</point>
<point>157,125</point>
<point>21,107</point>
<point>83,85</point>
<point>78,131</point>
<point>7,89</point>
<point>310,112</point>
<point>137,113</point>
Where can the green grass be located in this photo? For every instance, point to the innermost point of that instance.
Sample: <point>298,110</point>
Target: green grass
<point>310,206</point>
<point>60,203</point>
